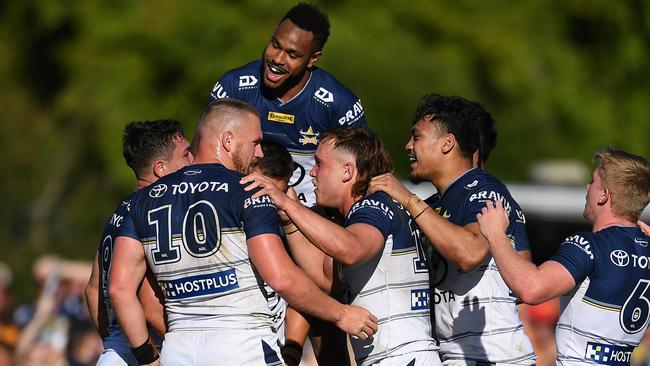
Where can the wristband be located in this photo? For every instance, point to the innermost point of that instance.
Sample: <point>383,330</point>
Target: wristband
<point>146,353</point>
<point>289,228</point>
<point>292,353</point>
<point>421,212</point>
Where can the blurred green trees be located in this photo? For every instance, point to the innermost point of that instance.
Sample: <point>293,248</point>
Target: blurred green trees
<point>561,77</point>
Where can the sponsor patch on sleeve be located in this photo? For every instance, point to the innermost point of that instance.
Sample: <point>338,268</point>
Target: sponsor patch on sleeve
<point>607,354</point>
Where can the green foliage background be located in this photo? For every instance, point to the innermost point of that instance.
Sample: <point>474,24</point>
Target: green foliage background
<point>561,77</point>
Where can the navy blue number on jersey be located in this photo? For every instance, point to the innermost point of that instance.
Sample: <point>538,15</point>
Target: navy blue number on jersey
<point>200,232</point>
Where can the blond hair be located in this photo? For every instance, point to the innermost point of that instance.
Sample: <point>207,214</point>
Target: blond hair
<point>627,176</point>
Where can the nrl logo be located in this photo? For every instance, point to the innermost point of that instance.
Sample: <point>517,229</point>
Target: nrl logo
<point>309,137</point>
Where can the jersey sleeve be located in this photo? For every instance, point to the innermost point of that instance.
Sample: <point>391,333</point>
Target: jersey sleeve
<point>128,228</point>
<point>576,256</point>
<point>224,87</point>
<point>373,212</point>
<point>259,215</point>
<point>349,111</point>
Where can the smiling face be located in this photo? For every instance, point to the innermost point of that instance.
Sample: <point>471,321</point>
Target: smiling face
<point>287,59</point>
<point>424,150</point>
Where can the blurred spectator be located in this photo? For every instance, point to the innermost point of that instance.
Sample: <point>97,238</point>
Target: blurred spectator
<point>8,330</point>
<point>47,324</point>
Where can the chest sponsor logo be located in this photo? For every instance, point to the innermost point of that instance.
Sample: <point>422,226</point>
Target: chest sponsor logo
<point>619,258</point>
<point>158,190</point>
<point>247,81</point>
<point>353,114</point>
<point>420,299</point>
<point>324,95</point>
<point>606,354</point>
<point>201,285</point>
<point>309,137</point>
<point>281,117</point>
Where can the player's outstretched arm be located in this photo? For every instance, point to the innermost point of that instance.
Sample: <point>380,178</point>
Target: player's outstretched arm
<point>276,268</point>
<point>532,284</point>
<point>350,246</point>
<point>127,272</point>
<point>95,301</point>
<point>463,245</point>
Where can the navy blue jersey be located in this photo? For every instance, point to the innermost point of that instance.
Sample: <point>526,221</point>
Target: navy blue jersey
<point>605,317</point>
<point>393,285</point>
<point>193,225</point>
<point>323,104</point>
<point>494,333</point>
<point>115,338</point>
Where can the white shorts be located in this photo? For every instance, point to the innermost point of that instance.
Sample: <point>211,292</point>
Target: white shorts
<point>117,357</point>
<point>478,363</point>
<point>421,358</point>
<point>204,348</point>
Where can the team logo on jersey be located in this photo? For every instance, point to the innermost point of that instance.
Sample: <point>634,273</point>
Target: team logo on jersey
<point>324,95</point>
<point>281,117</point>
<point>218,92</point>
<point>158,191</point>
<point>472,185</point>
<point>353,114</point>
<point>420,299</point>
<point>445,214</point>
<point>247,81</point>
<point>607,354</point>
<point>619,257</point>
<point>192,172</point>
<point>309,137</point>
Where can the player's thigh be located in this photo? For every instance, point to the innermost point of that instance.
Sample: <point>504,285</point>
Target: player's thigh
<point>423,358</point>
<point>111,357</point>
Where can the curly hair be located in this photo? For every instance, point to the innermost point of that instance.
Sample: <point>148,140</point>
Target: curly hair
<point>369,154</point>
<point>145,141</point>
<point>309,18</point>
<point>470,123</point>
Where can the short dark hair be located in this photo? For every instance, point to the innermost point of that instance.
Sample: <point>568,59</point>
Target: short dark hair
<point>309,18</point>
<point>470,123</point>
<point>370,156</point>
<point>276,163</point>
<point>145,141</point>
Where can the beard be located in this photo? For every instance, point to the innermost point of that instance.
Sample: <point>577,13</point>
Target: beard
<point>415,178</point>
<point>238,161</point>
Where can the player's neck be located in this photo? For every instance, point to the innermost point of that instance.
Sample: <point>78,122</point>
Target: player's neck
<point>291,91</point>
<point>346,204</point>
<point>606,219</point>
<point>449,173</point>
<point>144,181</point>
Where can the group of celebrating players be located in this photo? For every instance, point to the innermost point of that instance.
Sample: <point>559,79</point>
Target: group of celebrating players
<point>284,215</point>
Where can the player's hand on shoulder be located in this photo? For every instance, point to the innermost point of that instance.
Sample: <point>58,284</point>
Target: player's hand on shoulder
<point>267,187</point>
<point>357,322</point>
<point>389,184</point>
<point>492,220</point>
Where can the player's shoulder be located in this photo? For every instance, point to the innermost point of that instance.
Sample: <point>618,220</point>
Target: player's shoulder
<point>582,240</point>
<point>378,201</point>
<point>327,83</point>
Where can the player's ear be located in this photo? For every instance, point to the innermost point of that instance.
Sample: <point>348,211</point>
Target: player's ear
<point>448,144</point>
<point>159,168</point>
<point>349,171</point>
<point>314,58</point>
<point>604,196</point>
<point>227,140</point>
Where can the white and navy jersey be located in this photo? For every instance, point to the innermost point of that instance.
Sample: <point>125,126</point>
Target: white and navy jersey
<point>193,225</point>
<point>606,315</point>
<point>393,285</point>
<point>475,313</point>
<point>323,104</point>
<point>115,338</point>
